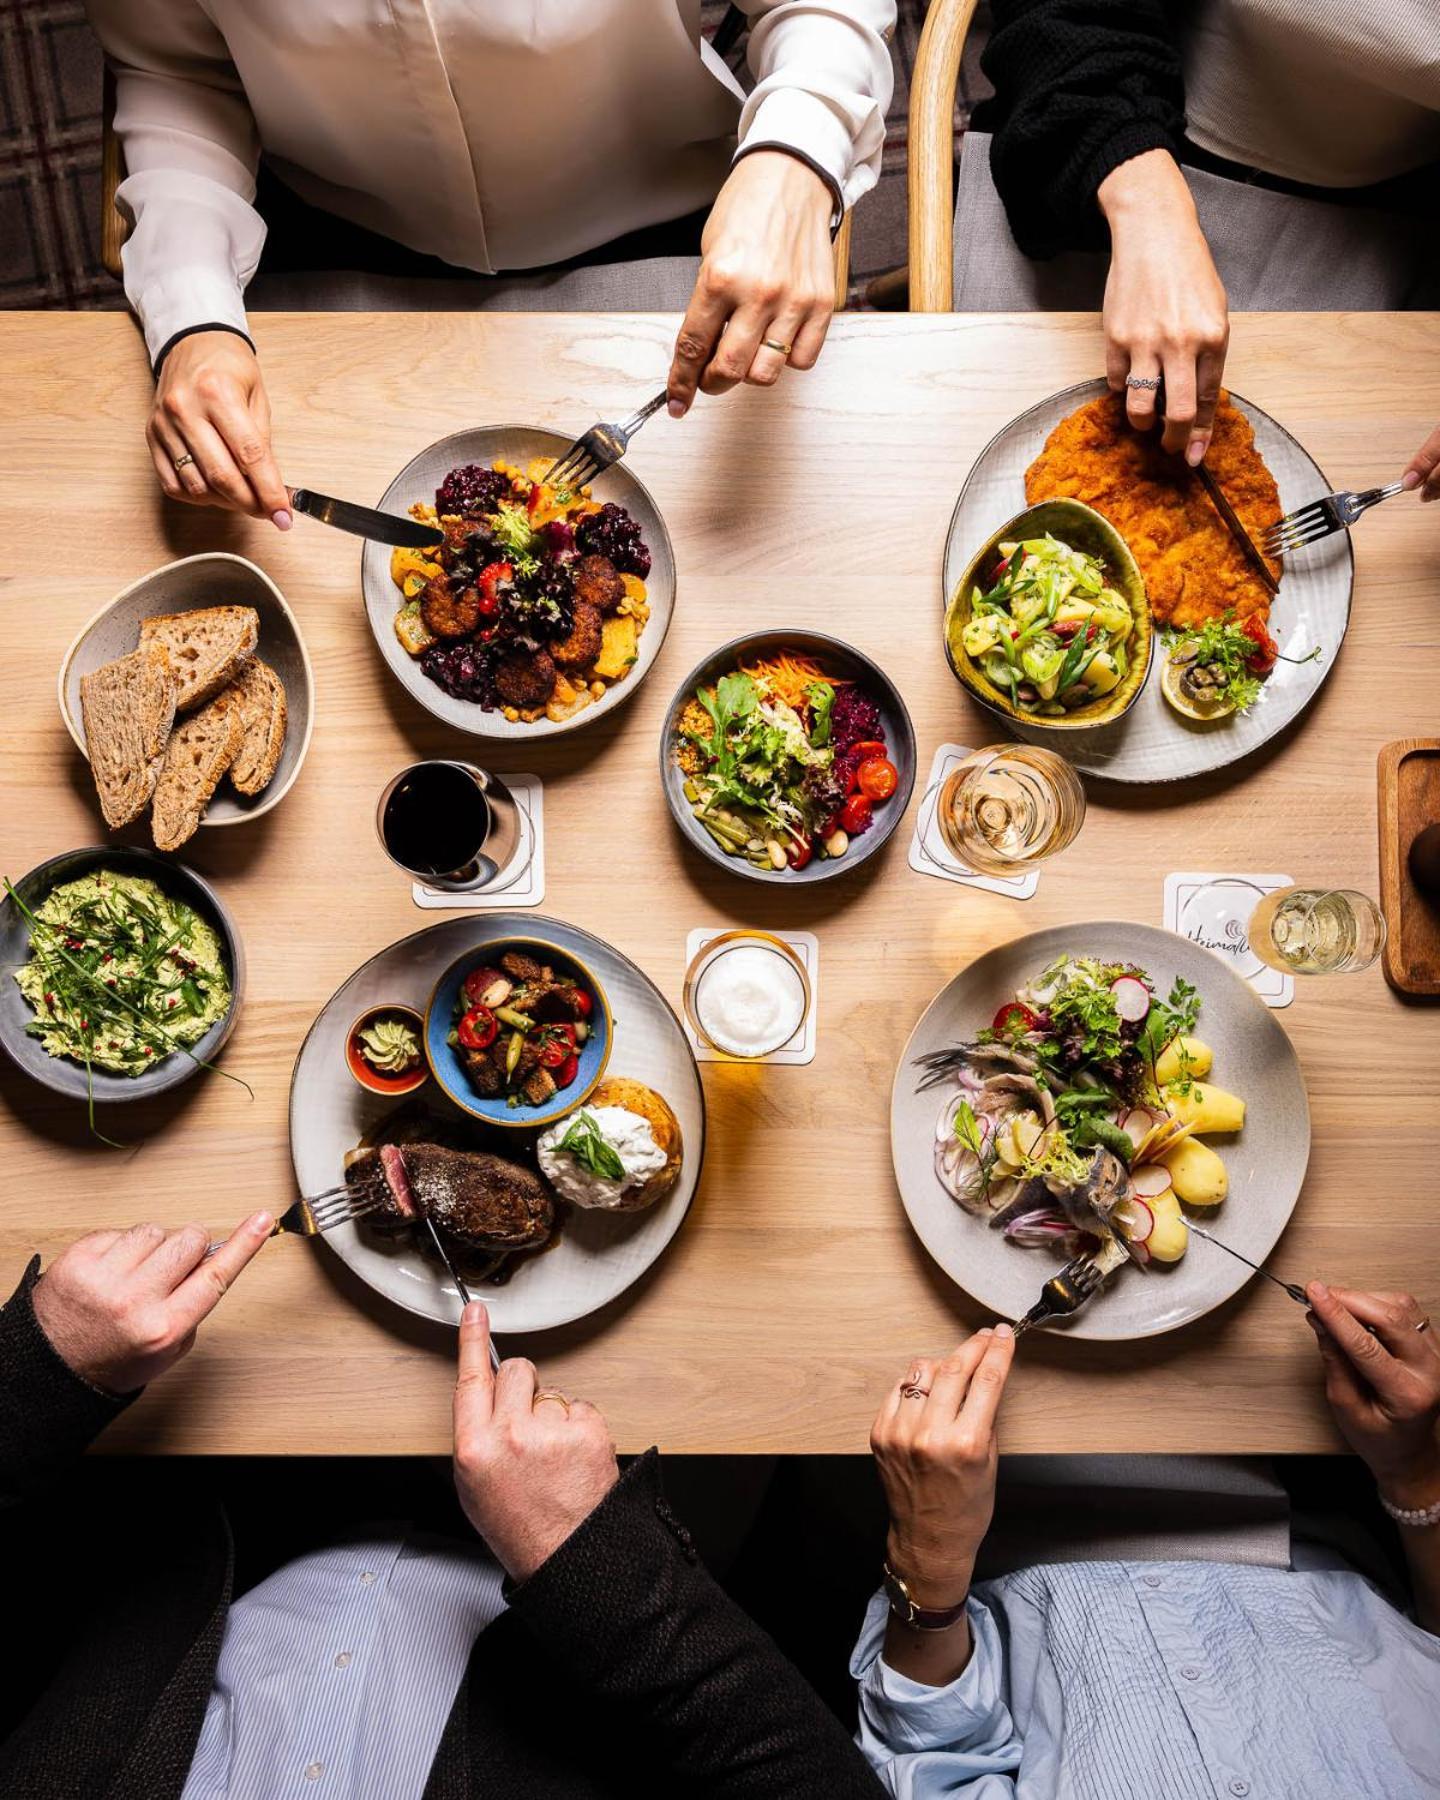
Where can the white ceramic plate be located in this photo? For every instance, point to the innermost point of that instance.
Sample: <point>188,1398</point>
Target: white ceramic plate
<point>1152,742</point>
<point>215,578</point>
<point>599,1254</point>
<point>517,444</point>
<point>1265,1162</point>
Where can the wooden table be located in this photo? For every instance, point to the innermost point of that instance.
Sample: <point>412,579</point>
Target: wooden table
<point>795,1291</point>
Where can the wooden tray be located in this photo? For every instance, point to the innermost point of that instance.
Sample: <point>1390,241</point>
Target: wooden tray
<point>1409,799</point>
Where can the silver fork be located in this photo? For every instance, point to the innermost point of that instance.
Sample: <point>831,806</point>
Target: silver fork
<point>323,1212</point>
<point>598,448</point>
<point>1064,1293</point>
<point>1322,518</point>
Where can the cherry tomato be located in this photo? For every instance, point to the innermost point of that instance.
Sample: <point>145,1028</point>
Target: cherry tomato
<point>478,1029</point>
<point>801,853</point>
<point>867,748</point>
<point>567,1071</point>
<point>585,1002</point>
<point>877,778</point>
<point>1013,1018</point>
<point>489,605</point>
<point>479,982</point>
<point>553,1054</point>
<point>855,815</point>
<point>1267,650</point>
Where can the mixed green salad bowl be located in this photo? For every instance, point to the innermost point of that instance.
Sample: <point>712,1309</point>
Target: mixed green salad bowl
<point>1049,624</point>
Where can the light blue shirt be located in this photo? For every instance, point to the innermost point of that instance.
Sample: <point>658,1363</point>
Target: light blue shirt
<point>1164,1681</point>
<point>337,1674</point>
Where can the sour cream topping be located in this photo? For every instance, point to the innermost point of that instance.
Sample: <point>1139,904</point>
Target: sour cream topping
<point>627,1134</point>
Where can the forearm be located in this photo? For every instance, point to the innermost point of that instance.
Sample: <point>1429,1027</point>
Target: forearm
<point>1081,87</point>
<point>625,1607</point>
<point>1421,1543</point>
<point>823,82</point>
<point>48,1415</point>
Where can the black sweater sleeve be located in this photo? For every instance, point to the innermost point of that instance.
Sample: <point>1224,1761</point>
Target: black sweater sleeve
<point>626,1611</point>
<point>48,1415</point>
<point>1081,86</point>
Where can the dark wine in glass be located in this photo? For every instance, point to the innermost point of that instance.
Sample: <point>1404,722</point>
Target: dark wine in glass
<point>448,823</point>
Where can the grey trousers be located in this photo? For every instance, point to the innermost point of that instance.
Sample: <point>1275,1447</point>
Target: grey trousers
<point>1275,252</point>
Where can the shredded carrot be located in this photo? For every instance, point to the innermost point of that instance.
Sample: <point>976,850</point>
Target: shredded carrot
<point>788,675</point>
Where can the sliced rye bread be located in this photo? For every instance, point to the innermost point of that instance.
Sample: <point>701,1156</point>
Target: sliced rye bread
<point>127,708</point>
<point>261,694</point>
<point>208,648</point>
<point>200,750</point>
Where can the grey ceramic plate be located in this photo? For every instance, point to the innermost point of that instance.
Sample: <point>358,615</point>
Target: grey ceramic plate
<point>1152,742</point>
<point>214,579</point>
<point>1266,1161</point>
<point>599,1254</point>
<point>845,660</point>
<point>56,1072</point>
<point>516,444</point>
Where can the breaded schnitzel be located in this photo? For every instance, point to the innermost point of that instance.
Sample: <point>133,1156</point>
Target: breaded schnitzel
<point>1193,568</point>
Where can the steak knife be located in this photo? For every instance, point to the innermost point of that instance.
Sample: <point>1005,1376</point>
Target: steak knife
<point>366,521</point>
<point>1236,529</point>
<point>460,1288</point>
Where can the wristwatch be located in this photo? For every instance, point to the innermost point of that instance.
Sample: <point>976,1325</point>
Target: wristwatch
<point>918,1618</point>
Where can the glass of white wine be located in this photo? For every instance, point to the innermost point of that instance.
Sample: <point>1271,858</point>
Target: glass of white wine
<point>1317,931</point>
<point>1009,806</point>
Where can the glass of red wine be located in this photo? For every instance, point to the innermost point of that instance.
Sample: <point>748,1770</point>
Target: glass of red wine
<point>450,825</point>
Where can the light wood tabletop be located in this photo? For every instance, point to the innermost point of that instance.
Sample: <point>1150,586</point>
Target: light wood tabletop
<point>795,1291</point>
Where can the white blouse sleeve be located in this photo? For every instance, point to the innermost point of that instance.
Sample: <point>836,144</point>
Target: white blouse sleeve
<point>823,82</point>
<point>191,151</point>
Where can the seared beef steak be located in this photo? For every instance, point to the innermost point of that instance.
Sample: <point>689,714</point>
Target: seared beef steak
<point>473,1196</point>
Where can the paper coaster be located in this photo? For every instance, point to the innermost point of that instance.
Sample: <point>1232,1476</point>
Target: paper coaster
<point>800,1049</point>
<point>1213,911</point>
<point>522,881</point>
<point>930,854</point>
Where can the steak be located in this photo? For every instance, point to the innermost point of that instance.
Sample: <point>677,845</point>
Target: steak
<point>475,1197</point>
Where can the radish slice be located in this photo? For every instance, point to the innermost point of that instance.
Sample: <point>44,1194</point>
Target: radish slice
<point>1150,1181</point>
<point>1132,999</point>
<point>1138,1123</point>
<point>1133,1219</point>
<point>1139,1255</point>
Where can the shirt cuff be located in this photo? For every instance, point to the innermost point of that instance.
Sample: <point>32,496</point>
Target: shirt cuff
<point>791,119</point>
<point>183,300</point>
<point>900,1716</point>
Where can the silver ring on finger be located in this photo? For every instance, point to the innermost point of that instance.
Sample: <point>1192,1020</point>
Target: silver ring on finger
<point>1424,1325</point>
<point>181,461</point>
<point>1143,381</point>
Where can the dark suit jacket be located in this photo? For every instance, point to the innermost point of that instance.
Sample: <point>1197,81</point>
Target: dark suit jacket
<point>621,1668</point>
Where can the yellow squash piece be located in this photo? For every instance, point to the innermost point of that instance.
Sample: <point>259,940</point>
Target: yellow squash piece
<point>1183,1056</point>
<point>619,642</point>
<point>1207,1108</point>
<point>1197,1173</point>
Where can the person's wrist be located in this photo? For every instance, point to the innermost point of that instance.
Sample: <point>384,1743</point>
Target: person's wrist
<point>935,1579</point>
<point>1412,1485</point>
<point>1144,191</point>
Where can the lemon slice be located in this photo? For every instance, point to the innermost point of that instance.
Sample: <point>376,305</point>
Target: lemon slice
<point>1170,679</point>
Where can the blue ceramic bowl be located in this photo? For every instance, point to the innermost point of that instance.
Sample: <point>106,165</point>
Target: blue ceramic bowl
<point>445,1060</point>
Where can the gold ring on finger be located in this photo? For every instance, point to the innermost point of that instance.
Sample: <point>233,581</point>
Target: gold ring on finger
<point>780,349</point>
<point>551,1394</point>
<point>181,461</point>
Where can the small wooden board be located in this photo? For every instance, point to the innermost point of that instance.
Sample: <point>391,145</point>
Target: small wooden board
<point>1409,799</point>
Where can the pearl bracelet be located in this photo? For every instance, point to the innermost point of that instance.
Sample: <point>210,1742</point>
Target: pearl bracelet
<point>1412,1515</point>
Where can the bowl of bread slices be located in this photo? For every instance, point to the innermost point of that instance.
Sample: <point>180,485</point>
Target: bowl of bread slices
<point>190,695</point>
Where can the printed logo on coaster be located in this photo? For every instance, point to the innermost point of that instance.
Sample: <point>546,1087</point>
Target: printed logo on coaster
<point>931,855</point>
<point>1213,911</point>
<point>522,881</point>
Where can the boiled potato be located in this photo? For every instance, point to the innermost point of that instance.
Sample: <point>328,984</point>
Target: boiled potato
<point>1183,1056</point>
<point>1197,1173</point>
<point>1207,1108</point>
<point>1103,674</point>
<point>1170,1239</point>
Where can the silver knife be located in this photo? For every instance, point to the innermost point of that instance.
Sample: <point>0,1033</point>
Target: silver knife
<point>366,521</point>
<point>455,1276</point>
<point>1237,530</point>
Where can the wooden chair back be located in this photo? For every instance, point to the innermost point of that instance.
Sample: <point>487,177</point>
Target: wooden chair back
<point>931,173</point>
